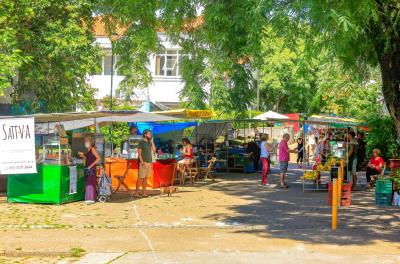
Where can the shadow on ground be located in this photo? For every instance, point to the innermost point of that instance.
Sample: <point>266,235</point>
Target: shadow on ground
<point>290,213</point>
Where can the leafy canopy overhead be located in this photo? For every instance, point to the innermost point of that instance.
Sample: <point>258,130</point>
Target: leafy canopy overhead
<point>50,51</point>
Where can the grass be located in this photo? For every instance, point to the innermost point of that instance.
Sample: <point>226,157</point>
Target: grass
<point>77,252</point>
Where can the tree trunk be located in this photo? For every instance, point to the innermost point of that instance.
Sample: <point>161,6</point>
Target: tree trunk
<point>390,70</point>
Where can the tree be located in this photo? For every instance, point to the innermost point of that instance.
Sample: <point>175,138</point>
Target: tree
<point>10,56</point>
<point>56,46</point>
<point>140,21</point>
<point>293,78</point>
<point>360,33</point>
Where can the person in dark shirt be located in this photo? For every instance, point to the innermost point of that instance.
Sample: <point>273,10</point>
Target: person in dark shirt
<point>361,151</point>
<point>254,153</point>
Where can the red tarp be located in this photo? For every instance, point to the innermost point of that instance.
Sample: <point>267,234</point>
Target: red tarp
<point>163,172</point>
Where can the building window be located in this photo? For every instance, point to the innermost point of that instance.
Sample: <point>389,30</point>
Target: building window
<point>167,63</point>
<point>105,65</point>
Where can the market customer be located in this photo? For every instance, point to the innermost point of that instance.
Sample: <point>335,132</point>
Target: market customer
<point>254,153</point>
<point>374,166</point>
<point>352,158</point>
<point>146,149</point>
<point>284,158</point>
<point>266,148</point>
<point>92,158</point>
<point>300,151</point>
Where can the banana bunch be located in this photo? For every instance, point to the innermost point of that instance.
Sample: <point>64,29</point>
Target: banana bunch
<point>310,175</point>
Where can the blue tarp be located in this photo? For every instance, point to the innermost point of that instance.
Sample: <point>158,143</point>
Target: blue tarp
<point>161,128</point>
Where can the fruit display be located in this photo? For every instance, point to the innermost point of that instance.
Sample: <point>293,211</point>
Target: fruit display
<point>310,175</point>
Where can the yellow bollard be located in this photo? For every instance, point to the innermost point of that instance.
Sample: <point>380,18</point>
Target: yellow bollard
<point>340,181</point>
<point>334,204</point>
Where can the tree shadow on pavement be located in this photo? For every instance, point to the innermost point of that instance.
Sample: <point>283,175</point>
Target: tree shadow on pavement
<point>290,213</point>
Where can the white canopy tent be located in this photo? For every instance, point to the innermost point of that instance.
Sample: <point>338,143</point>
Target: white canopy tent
<point>270,115</point>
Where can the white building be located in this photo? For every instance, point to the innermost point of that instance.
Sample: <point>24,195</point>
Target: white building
<point>164,67</point>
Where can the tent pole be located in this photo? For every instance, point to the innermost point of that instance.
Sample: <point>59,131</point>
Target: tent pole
<point>227,148</point>
<point>244,130</point>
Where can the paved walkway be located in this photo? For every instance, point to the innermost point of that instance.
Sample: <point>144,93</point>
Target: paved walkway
<point>231,219</point>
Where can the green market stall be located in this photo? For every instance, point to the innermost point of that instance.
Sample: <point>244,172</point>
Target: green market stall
<point>59,178</point>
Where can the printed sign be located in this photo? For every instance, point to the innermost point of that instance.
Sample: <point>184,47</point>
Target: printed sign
<point>17,146</point>
<point>73,180</point>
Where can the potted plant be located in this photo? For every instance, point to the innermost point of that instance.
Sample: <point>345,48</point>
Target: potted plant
<point>396,180</point>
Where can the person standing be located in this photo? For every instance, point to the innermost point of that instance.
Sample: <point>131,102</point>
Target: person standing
<point>352,158</point>
<point>264,156</point>
<point>361,151</point>
<point>311,143</point>
<point>91,158</point>
<point>300,151</point>
<point>146,149</point>
<point>284,158</point>
<point>254,152</point>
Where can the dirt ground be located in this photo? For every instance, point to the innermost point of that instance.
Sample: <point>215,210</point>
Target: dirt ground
<point>232,215</point>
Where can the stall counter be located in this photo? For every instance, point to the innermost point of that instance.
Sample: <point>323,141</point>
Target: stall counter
<point>162,175</point>
<point>52,184</point>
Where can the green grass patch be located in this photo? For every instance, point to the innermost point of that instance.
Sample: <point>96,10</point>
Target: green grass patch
<point>77,252</point>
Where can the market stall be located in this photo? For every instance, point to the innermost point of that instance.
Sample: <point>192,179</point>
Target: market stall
<point>59,176</point>
<point>124,170</point>
<point>58,180</point>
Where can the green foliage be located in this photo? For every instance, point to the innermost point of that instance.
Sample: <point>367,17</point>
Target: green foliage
<point>77,252</point>
<point>11,56</point>
<point>141,20</point>
<point>118,132</point>
<point>216,72</point>
<point>382,135</point>
<point>57,49</point>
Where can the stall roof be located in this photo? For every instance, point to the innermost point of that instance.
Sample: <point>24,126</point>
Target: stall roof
<point>187,113</point>
<point>209,130</point>
<point>270,115</point>
<point>100,116</point>
<point>327,119</point>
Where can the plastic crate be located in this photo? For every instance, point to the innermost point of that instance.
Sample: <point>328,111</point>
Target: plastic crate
<point>384,186</point>
<point>384,199</point>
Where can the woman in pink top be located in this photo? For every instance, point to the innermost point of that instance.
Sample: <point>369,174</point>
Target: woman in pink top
<point>284,157</point>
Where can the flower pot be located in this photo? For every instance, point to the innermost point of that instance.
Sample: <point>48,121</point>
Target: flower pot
<point>394,164</point>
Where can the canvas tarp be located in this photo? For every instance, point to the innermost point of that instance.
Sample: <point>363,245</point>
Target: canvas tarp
<point>134,116</point>
<point>209,130</point>
<point>188,113</point>
<point>158,128</point>
<point>270,115</point>
<point>334,120</point>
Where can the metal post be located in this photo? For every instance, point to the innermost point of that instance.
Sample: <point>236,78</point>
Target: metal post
<point>112,75</point>
<point>111,89</point>
<point>340,180</point>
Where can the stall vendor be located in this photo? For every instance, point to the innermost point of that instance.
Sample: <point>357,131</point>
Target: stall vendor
<point>131,141</point>
<point>91,158</point>
<point>146,149</point>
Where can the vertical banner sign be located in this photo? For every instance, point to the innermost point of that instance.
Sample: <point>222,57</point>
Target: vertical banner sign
<point>17,146</point>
